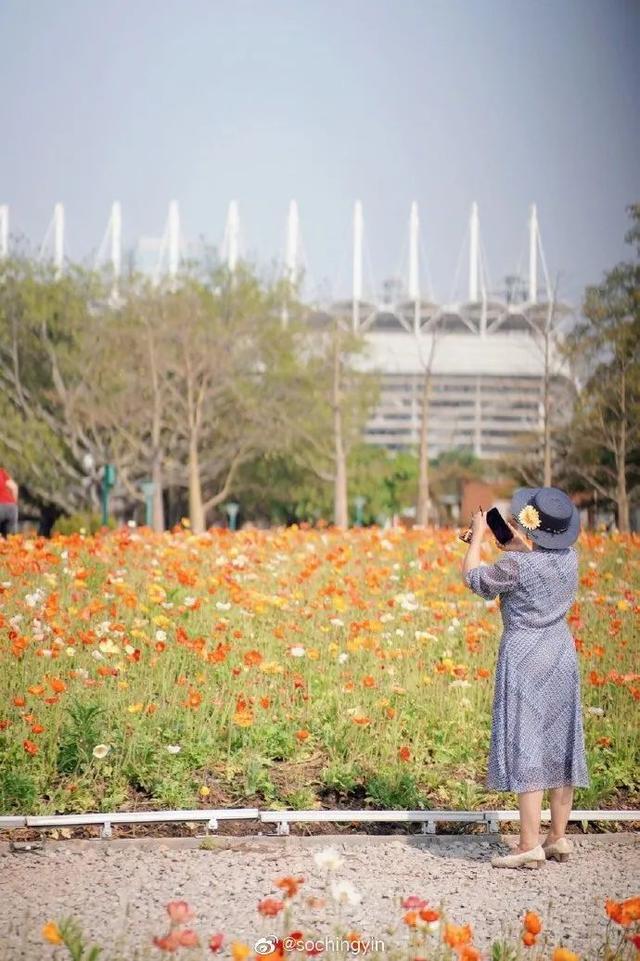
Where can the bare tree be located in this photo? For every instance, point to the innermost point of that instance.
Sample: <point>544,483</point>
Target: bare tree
<point>423,507</point>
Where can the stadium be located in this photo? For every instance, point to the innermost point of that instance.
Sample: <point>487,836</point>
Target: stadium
<point>488,354</point>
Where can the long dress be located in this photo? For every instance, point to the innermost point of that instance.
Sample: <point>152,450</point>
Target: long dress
<point>537,738</point>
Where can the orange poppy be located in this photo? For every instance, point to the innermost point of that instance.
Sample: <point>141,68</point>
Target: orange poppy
<point>532,922</point>
<point>270,907</point>
<point>456,936</point>
<point>289,885</point>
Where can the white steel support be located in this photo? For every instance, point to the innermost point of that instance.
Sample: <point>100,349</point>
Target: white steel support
<point>173,237</point>
<point>533,255</point>
<point>58,238</point>
<point>414,262</point>
<point>474,253</point>
<point>291,254</point>
<point>358,232</point>
<point>293,231</point>
<point>116,243</point>
<point>232,236</point>
<point>4,231</point>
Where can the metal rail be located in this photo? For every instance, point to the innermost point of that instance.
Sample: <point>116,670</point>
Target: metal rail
<point>282,819</point>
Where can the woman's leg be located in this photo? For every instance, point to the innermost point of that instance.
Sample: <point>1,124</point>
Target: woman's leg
<point>530,804</point>
<point>561,799</point>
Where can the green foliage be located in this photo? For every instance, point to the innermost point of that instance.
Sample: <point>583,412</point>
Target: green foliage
<point>342,776</point>
<point>395,790</point>
<point>603,442</point>
<point>80,733</point>
<point>18,791</point>
<point>49,343</point>
<point>73,939</point>
<point>81,523</point>
<point>503,951</point>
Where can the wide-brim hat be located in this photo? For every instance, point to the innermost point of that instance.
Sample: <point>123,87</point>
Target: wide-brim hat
<point>553,521</point>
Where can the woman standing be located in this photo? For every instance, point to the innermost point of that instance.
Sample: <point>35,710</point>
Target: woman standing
<point>537,739</point>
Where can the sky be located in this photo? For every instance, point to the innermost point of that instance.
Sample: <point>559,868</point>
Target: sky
<point>502,102</point>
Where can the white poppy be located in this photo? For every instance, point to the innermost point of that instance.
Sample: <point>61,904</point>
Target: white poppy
<point>101,750</point>
<point>344,893</point>
<point>329,859</point>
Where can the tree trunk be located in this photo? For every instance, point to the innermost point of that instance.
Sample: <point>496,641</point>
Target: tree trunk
<point>622,495</point>
<point>196,510</point>
<point>158,519</point>
<point>49,514</point>
<point>424,499</point>
<point>156,433</point>
<point>341,512</point>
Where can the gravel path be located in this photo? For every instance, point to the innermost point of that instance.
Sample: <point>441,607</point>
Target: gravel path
<point>122,886</point>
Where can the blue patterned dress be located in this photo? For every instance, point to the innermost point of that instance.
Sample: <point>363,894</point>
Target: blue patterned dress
<point>537,739</point>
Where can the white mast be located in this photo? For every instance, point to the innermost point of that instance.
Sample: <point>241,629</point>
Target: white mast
<point>474,253</point>
<point>116,243</point>
<point>533,255</point>
<point>173,230</point>
<point>232,236</point>
<point>58,238</point>
<point>358,230</point>
<point>4,231</point>
<point>414,262</point>
<point>293,230</point>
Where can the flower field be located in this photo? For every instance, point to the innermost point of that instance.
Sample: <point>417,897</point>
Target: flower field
<point>297,667</point>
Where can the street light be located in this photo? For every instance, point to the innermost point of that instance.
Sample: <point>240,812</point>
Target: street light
<point>148,488</point>
<point>359,503</point>
<point>232,513</point>
<point>108,483</point>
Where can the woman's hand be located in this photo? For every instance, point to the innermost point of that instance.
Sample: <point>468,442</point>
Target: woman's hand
<point>479,524</point>
<point>517,543</point>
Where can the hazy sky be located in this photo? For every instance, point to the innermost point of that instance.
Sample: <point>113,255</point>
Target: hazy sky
<point>501,101</point>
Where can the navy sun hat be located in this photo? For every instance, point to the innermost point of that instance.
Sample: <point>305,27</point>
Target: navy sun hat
<point>547,515</point>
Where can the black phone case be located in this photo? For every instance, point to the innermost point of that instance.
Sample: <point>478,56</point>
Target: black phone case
<point>499,526</point>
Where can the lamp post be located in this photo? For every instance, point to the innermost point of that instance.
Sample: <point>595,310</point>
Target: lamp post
<point>148,489</point>
<point>359,503</point>
<point>108,483</point>
<point>232,513</point>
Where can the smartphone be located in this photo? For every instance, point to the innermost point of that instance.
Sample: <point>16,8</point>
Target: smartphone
<point>499,526</point>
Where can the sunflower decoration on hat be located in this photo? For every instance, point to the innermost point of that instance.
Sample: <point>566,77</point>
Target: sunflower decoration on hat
<point>529,517</point>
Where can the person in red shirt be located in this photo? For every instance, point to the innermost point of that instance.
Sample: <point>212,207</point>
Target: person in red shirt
<point>8,504</point>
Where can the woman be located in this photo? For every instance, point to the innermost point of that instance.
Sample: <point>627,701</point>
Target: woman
<point>537,739</point>
<point>8,504</point>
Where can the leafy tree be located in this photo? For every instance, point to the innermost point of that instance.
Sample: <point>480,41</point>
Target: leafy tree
<point>604,441</point>
<point>50,334</point>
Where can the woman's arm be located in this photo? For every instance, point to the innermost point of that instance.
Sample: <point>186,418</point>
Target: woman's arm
<point>13,487</point>
<point>478,527</point>
<point>488,580</point>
